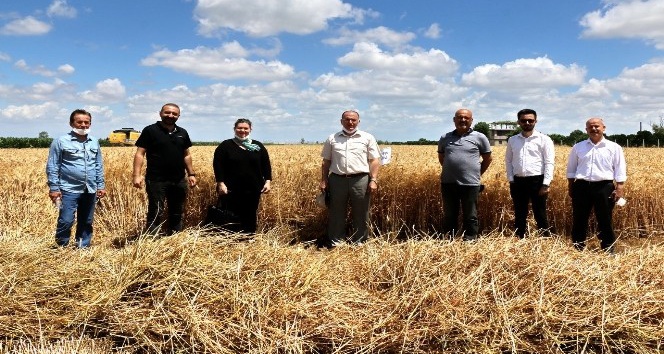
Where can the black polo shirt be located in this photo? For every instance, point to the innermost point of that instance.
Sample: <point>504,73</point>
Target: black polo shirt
<point>164,152</point>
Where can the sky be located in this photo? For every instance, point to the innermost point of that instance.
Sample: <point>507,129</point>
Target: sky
<point>293,66</point>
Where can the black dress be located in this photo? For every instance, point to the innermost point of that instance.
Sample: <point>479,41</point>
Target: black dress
<point>244,172</point>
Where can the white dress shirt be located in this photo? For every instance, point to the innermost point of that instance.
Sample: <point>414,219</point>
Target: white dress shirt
<point>531,156</point>
<point>604,161</point>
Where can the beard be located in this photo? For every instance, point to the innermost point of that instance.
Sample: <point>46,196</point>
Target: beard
<point>169,120</point>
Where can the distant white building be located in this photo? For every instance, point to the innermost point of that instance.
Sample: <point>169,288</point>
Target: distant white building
<point>499,132</point>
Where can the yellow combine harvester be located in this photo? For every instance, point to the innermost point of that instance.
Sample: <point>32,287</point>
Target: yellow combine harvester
<point>124,136</point>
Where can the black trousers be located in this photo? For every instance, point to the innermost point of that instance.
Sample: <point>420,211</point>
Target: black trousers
<point>159,193</point>
<point>587,196</point>
<point>457,197</point>
<point>244,204</point>
<point>525,190</point>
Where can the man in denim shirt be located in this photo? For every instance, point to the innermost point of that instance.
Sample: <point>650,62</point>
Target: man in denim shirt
<point>75,172</point>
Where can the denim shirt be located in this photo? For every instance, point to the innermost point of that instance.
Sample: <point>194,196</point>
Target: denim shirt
<point>75,166</point>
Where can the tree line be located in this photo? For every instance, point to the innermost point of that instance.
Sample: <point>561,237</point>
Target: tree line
<point>644,138</point>
<point>654,138</point>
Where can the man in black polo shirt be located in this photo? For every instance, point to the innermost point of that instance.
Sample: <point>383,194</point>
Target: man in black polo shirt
<point>166,147</point>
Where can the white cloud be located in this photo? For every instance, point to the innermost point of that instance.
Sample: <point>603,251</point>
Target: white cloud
<point>227,62</point>
<point>57,90</point>
<point>381,35</point>
<point>405,90</point>
<point>109,90</point>
<point>66,69</point>
<point>212,109</point>
<point>60,8</point>
<point>97,111</point>
<point>27,26</point>
<point>29,112</point>
<point>389,88</point>
<point>46,90</point>
<point>627,19</point>
<point>641,87</point>
<point>369,57</point>
<point>5,90</point>
<point>261,18</point>
<point>638,89</point>
<point>593,89</point>
<point>41,70</point>
<point>525,74</point>
<point>433,31</point>
<point>35,70</point>
<point>5,57</point>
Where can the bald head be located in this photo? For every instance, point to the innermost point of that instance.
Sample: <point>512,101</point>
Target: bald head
<point>464,112</point>
<point>463,120</point>
<point>594,120</point>
<point>595,128</point>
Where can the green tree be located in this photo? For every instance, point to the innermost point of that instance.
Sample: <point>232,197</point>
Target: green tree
<point>576,136</point>
<point>620,139</point>
<point>658,129</point>
<point>558,138</point>
<point>483,128</point>
<point>644,137</point>
<point>43,135</point>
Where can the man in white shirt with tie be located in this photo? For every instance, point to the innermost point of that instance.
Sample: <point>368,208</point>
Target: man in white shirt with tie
<point>529,161</point>
<point>596,174</point>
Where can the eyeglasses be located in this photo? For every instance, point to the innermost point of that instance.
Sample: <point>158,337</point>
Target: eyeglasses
<point>529,121</point>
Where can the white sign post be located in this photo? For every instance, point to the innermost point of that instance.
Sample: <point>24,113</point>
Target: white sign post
<point>385,155</point>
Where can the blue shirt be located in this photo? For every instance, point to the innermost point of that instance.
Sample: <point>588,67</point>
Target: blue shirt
<point>75,166</point>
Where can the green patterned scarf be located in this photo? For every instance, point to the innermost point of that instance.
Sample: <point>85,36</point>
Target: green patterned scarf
<point>246,142</point>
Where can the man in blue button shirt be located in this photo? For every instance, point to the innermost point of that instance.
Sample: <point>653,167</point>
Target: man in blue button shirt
<point>75,173</point>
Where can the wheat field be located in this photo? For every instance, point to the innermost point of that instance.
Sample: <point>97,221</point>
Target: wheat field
<point>403,291</point>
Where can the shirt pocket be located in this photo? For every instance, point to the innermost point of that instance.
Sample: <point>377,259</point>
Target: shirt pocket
<point>72,153</point>
<point>92,153</point>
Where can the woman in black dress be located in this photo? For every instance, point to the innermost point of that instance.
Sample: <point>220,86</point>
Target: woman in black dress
<point>242,170</point>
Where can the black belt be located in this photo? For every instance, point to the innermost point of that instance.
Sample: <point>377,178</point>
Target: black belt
<point>583,181</point>
<point>528,177</point>
<point>362,174</point>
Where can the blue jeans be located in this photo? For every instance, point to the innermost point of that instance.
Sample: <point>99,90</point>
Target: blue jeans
<point>455,196</point>
<point>83,205</point>
<point>159,194</point>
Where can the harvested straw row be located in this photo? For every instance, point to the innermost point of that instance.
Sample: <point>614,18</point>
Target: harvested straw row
<point>198,292</point>
<point>195,292</point>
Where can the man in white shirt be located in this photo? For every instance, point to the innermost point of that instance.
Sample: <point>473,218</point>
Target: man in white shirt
<point>529,163</point>
<point>350,174</point>
<point>596,174</point>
